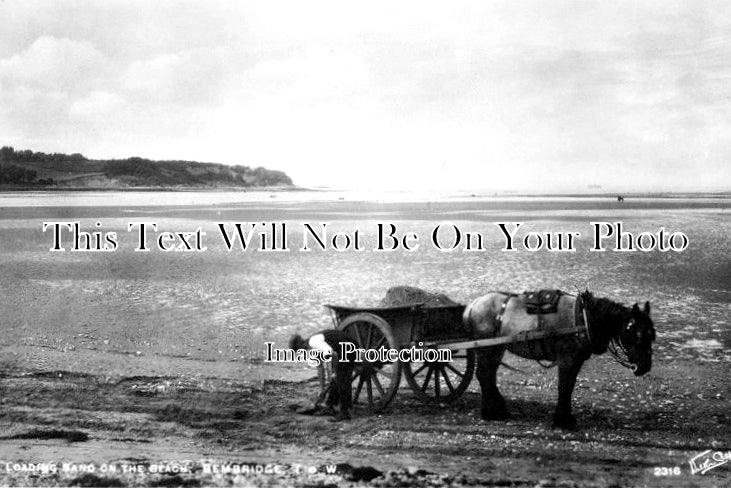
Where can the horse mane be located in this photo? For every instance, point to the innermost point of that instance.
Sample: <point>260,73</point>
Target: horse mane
<point>605,319</point>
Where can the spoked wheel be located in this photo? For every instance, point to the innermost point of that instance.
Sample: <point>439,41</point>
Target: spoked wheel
<point>441,381</point>
<point>374,382</point>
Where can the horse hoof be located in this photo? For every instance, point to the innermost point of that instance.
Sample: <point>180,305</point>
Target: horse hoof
<point>495,415</point>
<point>340,417</point>
<point>565,423</point>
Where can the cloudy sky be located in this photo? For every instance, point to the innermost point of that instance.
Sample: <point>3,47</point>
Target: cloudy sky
<point>532,96</point>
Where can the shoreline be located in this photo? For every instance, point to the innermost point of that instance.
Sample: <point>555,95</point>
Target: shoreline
<point>478,194</point>
<point>4,189</point>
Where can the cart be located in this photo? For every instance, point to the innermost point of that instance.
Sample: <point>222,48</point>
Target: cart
<point>424,327</point>
<point>420,326</point>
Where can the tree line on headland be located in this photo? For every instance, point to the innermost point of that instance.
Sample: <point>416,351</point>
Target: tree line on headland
<point>37,169</point>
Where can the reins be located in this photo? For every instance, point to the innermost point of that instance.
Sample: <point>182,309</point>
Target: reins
<point>615,347</point>
<point>619,353</point>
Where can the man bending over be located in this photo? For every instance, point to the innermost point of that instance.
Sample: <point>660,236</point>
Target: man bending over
<point>339,391</point>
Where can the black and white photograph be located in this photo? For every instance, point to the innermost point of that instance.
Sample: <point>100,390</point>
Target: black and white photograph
<point>334,243</point>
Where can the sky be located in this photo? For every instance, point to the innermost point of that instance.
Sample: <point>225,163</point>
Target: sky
<point>514,96</point>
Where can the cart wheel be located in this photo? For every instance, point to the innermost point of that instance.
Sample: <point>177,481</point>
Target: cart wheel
<point>374,383</point>
<point>441,381</point>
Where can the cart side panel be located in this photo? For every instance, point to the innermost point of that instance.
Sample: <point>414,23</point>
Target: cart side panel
<point>415,323</point>
<point>403,330</point>
<point>444,323</point>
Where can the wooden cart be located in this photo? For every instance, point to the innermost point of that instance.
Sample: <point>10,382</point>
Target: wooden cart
<point>421,326</point>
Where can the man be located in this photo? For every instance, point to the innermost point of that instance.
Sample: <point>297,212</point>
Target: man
<point>339,392</point>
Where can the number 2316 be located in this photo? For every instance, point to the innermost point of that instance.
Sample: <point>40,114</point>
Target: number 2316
<point>667,471</point>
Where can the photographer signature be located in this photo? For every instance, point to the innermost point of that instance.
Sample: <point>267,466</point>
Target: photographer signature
<point>708,460</point>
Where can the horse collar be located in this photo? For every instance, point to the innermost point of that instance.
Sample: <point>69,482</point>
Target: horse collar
<point>502,311</point>
<point>582,304</point>
<point>592,337</point>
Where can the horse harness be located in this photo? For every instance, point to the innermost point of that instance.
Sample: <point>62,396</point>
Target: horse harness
<point>545,302</point>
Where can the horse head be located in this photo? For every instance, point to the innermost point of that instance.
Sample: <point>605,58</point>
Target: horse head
<point>636,339</point>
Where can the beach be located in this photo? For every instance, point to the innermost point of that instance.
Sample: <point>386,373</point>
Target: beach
<point>156,357</point>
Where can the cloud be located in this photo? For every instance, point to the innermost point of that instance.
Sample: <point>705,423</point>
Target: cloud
<point>40,82</point>
<point>343,94</point>
<point>52,63</point>
<point>96,104</point>
<point>197,77</point>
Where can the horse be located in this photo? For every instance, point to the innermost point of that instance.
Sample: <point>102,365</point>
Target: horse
<point>600,324</point>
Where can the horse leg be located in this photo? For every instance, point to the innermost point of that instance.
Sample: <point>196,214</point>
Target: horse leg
<point>493,403</point>
<point>568,369</point>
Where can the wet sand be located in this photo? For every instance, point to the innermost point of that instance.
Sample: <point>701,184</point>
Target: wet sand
<point>128,347</point>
